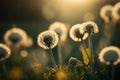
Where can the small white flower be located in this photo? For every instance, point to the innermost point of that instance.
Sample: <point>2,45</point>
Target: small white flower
<point>110,55</point>
<point>47,39</point>
<point>4,52</point>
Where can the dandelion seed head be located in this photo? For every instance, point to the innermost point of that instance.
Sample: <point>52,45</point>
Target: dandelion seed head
<point>90,27</point>
<point>106,13</point>
<point>77,33</point>
<point>61,29</point>
<point>47,39</point>
<point>15,36</point>
<point>73,61</point>
<point>116,11</point>
<point>4,52</point>
<point>110,55</point>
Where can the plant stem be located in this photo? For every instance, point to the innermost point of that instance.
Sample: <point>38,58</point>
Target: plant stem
<point>60,53</point>
<point>112,72</point>
<point>52,57</point>
<point>91,57</point>
<point>4,70</point>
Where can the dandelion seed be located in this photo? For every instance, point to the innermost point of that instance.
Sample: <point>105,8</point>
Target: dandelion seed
<point>4,52</point>
<point>110,55</point>
<point>90,27</point>
<point>60,28</point>
<point>15,37</point>
<point>47,39</point>
<point>106,13</point>
<point>77,33</point>
<point>116,11</point>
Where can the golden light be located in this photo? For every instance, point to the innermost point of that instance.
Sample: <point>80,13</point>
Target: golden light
<point>61,75</point>
<point>15,73</point>
<point>89,17</point>
<point>66,9</point>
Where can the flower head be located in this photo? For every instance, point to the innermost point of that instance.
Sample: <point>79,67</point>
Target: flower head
<point>4,52</point>
<point>116,11</point>
<point>60,28</point>
<point>110,55</point>
<point>90,27</point>
<point>47,39</point>
<point>77,33</point>
<point>106,13</point>
<point>15,36</point>
<point>73,61</point>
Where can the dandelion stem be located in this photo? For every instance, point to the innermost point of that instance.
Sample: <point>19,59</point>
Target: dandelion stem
<point>4,70</point>
<point>52,57</point>
<point>112,72</point>
<point>91,56</point>
<point>59,53</point>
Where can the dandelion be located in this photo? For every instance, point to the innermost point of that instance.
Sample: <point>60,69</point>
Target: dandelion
<point>77,33</point>
<point>116,11</point>
<point>47,39</point>
<point>61,29</point>
<point>73,61</point>
<point>90,27</point>
<point>106,13</point>
<point>4,52</point>
<point>110,55</point>
<point>15,37</point>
